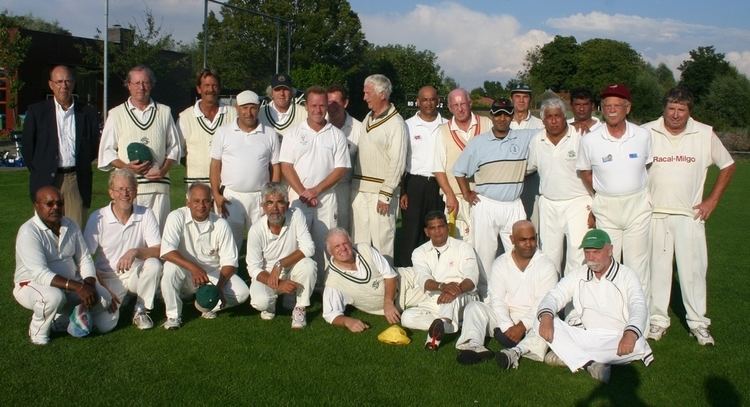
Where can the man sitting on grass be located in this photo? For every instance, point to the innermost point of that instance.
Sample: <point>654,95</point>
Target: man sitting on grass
<point>279,247</point>
<point>361,277</point>
<point>517,282</point>
<point>198,248</point>
<point>612,307</point>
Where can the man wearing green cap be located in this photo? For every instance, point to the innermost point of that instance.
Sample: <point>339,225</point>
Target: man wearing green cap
<point>198,248</point>
<point>613,312</point>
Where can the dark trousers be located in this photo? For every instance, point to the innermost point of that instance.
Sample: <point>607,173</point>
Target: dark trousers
<point>424,196</point>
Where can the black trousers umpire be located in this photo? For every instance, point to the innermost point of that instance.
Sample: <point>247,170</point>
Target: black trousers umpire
<point>423,194</point>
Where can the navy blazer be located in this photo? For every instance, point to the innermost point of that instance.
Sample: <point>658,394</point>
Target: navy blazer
<point>41,150</point>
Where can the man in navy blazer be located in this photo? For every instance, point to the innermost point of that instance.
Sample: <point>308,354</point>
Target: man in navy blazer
<point>60,140</point>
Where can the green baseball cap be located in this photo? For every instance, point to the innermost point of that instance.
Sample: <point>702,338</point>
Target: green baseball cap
<point>595,239</point>
<point>206,297</point>
<point>139,152</point>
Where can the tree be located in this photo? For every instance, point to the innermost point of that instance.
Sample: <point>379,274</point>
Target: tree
<point>604,61</point>
<point>665,77</point>
<point>30,22</point>
<point>13,48</point>
<point>494,89</point>
<point>699,71</point>
<point>317,74</point>
<point>552,66</point>
<point>241,45</point>
<point>727,103</point>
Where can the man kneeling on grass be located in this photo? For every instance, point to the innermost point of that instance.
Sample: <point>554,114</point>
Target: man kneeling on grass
<point>361,277</point>
<point>447,270</point>
<point>279,247</point>
<point>198,248</point>
<point>608,297</point>
<point>517,282</point>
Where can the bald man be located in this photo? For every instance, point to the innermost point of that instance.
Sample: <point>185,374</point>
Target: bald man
<point>421,192</point>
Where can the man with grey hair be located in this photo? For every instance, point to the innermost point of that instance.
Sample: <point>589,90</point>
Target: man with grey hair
<point>564,201</point>
<point>683,150</point>
<point>361,277</point>
<point>451,141</point>
<point>377,172</point>
<point>279,248</point>
<point>141,120</point>
<point>125,241</point>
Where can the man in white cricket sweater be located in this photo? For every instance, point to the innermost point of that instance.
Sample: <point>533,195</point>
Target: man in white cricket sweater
<point>199,122</point>
<point>141,120</point>
<point>281,114</point>
<point>378,170</point>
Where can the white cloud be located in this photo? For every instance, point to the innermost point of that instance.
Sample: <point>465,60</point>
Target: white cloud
<point>471,46</point>
<point>741,60</point>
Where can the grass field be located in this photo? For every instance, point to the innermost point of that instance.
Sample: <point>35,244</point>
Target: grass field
<point>240,360</point>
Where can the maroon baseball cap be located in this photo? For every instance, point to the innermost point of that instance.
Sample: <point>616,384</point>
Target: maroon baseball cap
<point>616,89</point>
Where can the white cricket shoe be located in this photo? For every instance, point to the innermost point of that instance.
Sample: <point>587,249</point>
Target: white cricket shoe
<point>172,324</point>
<point>142,321</point>
<point>599,371</point>
<point>299,318</point>
<point>703,336</point>
<point>656,332</point>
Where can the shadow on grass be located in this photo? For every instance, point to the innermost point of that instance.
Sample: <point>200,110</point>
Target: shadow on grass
<point>622,389</point>
<point>720,392</point>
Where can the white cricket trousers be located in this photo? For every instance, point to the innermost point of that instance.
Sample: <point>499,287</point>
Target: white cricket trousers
<point>159,203</point>
<point>684,238</point>
<point>490,219</point>
<point>480,321</point>
<point>142,279</point>
<point>627,221</point>
<point>577,346</point>
<point>558,220</point>
<point>177,283</point>
<point>51,304</point>
<point>370,227</point>
<point>244,210</point>
<point>304,273</point>
<point>319,220</point>
<point>463,219</point>
<point>420,317</point>
<point>344,203</point>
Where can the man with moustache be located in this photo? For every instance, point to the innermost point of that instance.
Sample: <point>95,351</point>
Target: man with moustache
<point>612,163</point>
<point>614,314</point>
<point>582,102</point>
<point>379,168</point>
<point>683,150</point>
<point>279,248</point>
<point>124,239</point>
<point>141,120</point>
<point>54,270</point>
<point>452,139</point>
<point>281,114</point>
<point>198,124</point>
<point>420,190</point>
<point>198,248</point>
<point>564,201</point>
<point>59,142</point>
<point>338,100</point>
<point>244,158</point>
<point>314,156</point>
<point>496,160</point>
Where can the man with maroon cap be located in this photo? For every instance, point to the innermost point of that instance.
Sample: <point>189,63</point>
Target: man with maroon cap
<point>612,163</point>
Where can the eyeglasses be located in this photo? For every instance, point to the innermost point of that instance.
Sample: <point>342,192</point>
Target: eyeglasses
<point>123,190</point>
<point>51,204</point>
<point>142,84</point>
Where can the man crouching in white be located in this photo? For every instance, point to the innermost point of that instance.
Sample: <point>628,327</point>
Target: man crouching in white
<point>198,248</point>
<point>279,247</point>
<point>447,270</point>
<point>517,282</point>
<point>613,311</point>
<point>361,277</point>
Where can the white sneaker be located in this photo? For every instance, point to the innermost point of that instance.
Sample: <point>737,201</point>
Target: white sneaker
<point>39,340</point>
<point>172,324</point>
<point>268,314</point>
<point>299,318</point>
<point>552,359</point>
<point>142,321</point>
<point>656,332</point>
<point>703,336</point>
<point>208,315</point>
<point>599,371</point>
<point>508,359</point>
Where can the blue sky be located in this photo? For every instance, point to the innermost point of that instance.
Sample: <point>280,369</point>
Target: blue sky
<point>474,40</point>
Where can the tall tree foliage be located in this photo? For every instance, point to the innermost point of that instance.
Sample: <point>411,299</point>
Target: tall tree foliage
<point>31,22</point>
<point>699,71</point>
